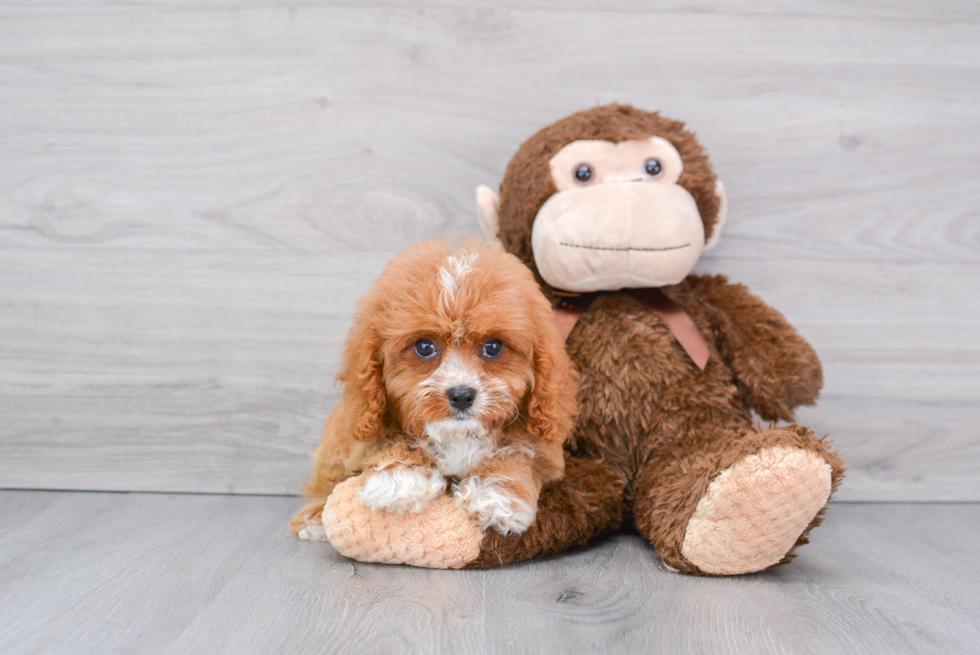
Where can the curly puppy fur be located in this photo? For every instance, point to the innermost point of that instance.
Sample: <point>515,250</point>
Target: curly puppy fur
<point>396,423</point>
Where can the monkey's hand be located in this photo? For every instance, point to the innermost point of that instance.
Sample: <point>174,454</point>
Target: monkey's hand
<point>439,536</point>
<point>775,368</point>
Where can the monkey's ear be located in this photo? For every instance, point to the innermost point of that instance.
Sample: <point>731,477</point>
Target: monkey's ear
<point>722,215</point>
<point>487,205</point>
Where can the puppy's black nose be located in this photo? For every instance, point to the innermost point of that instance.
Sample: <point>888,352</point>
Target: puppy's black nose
<point>461,397</point>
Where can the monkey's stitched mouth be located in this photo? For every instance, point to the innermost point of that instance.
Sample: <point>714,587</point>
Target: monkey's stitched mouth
<point>576,245</point>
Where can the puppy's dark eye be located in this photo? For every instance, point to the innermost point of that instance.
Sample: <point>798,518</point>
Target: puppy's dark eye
<point>492,349</point>
<point>583,173</point>
<point>425,349</point>
<point>652,167</point>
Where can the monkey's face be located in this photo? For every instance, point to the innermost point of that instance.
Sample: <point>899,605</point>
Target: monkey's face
<point>608,198</point>
<point>619,219</point>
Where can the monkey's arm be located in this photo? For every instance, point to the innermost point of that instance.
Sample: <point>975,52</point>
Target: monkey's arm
<point>774,366</point>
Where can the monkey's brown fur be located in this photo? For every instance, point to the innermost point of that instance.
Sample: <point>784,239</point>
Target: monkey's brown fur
<point>653,430</point>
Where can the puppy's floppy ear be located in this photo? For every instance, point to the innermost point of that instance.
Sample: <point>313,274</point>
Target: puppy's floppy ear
<point>552,406</point>
<point>365,398</point>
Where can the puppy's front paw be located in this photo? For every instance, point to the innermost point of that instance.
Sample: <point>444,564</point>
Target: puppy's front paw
<point>493,504</point>
<point>308,522</point>
<point>401,489</point>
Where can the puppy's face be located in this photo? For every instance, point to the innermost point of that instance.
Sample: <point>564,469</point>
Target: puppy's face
<point>460,355</point>
<point>456,339</point>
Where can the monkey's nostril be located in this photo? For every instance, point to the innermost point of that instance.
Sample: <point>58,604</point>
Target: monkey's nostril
<point>461,397</point>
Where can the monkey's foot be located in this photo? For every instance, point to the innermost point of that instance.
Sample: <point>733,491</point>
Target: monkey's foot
<point>756,511</point>
<point>441,536</point>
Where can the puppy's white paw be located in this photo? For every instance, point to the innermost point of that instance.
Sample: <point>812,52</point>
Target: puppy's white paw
<point>307,524</point>
<point>311,532</point>
<point>492,505</point>
<point>401,489</point>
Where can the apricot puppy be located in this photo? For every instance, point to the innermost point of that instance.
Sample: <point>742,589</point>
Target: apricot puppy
<point>454,378</point>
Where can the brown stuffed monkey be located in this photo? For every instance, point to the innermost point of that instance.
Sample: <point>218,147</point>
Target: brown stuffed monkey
<point>611,208</point>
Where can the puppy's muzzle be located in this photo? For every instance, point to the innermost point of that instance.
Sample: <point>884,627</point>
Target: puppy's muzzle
<point>461,398</point>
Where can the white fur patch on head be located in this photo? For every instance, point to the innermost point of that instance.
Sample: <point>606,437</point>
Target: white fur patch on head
<point>451,275</point>
<point>489,503</point>
<point>401,489</point>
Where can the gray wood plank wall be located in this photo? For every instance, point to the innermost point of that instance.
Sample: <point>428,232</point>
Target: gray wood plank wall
<point>192,197</point>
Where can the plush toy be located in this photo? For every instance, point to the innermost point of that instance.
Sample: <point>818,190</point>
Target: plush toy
<point>611,208</point>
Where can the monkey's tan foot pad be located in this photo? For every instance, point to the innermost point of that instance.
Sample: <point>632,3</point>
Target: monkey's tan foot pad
<point>755,510</point>
<point>441,536</point>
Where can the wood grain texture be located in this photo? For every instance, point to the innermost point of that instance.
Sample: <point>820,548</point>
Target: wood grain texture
<point>948,10</point>
<point>165,370</point>
<point>193,195</point>
<point>123,573</point>
<point>368,128</point>
<point>170,370</point>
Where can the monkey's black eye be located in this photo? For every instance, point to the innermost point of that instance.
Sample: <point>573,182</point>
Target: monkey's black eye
<point>425,349</point>
<point>584,173</point>
<point>652,167</point>
<point>492,349</point>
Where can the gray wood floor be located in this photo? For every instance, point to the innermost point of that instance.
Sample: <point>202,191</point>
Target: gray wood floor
<point>158,573</point>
